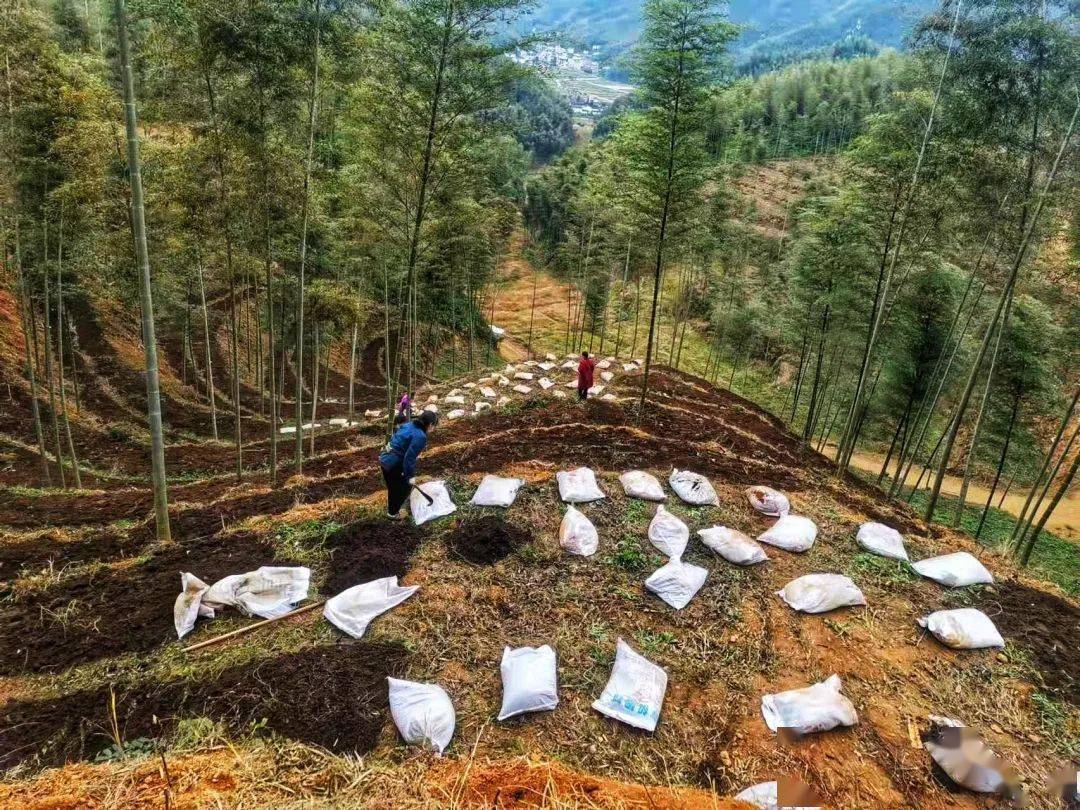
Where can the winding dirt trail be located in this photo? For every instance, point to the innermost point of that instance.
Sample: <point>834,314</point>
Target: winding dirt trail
<point>1065,522</point>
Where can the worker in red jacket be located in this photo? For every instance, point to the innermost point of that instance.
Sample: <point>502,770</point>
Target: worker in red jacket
<point>584,376</point>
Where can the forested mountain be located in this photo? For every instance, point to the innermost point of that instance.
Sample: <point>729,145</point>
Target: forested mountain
<point>767,27</point>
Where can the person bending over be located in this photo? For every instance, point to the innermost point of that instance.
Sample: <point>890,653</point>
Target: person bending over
<point>398,459</point>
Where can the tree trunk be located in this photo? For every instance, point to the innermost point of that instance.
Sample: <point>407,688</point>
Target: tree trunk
<point>1046,463</point>
<point>637,311</point>
<point>1065,484</point>
<point>1020,541</point>
<point>1000,466</point>
<point>206,343</point>
<point>54,419</point>
<point>352,370</point>
<point>60,352</point>
<point>26,315</point>
<point>1005,293</point>
<point>977,432</point>
<point>157,442</point>
<point>314,384</point>
<point>304,215</point>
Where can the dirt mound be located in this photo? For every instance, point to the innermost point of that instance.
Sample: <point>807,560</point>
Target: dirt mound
<point>121,609</point>
<point>523,783</point>
<point>33,555</point>
<point>333,696</point>
<point>486,540</point>
<point>1044,625</point>
<point>367,550</point>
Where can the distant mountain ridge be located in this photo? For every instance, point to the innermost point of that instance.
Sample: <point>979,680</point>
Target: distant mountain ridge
<point>767,24</point>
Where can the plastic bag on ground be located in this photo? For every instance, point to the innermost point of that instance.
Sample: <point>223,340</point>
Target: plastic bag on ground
<point>469,385</point>
<point>963,629</point>
<point>604,364</point>
<point>457,413</point>
<point>628,367</point>
<point>635,691</point>
<point>609,397</point>
<point>546,366</point>
<point>677,582</point>
<point>961,753</point>
<point>496,491</point>
<point>454,400</point>
<point>578,486</point>
<point>882,540</point>
<point>820,593</point>
<point>791,533</point>
<point>768,501</point>
<point>352,610</point>
<point>813,708</point>
<point>669,534</point>
<point>693,488</point>
<point>545,383</point>
<point>523,375</point>
<point>440,505</point>
<point>559,394</point>
<point>488,392</point>
<point>606,376</point>
<point>522,389</point>
<point>765,796</point>
<point>502,402</point>
<point>189,606</point>
<point>596,390</point>
<point>569,364</point>
<point>955,570</point>
<point>643,485</point>
<point>550,357</point>
<point>423,714</point>
<point>268,592</point>
<point>431,406</point>
<point>732,545</point>
<point>577,533</point>
<point>529,679</point>
<point>480,407</point>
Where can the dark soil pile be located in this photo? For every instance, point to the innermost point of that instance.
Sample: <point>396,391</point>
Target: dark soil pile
<point>485,540</point>
<point>367,550</point>
<point>333,696</point>
<point>1044,625</point>
<point>105,613</point>
<point>33,555</point>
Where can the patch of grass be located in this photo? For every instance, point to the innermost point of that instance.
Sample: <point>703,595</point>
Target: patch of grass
<point>630,556</point>
<point>303,541</point>
<point>880,570</point>
<point>1053,558</point>
<point>1060,723</point>
<point>652,644</point>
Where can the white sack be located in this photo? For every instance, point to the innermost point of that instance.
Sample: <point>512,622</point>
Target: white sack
<point>373,414</point>
<point>606,376</point>
<point>765,796</point>
<point>643,485</point>
<point>469,385</point>
<point>569,364</point>
<point>423,714</point>
<point>768,501</point>
<point>545,366</point>
<point>669,534</point>
<point>963,629</point>
<point>480,407</point>
<point>635,691</point>
<point>604,364</point>
<point>496,491</point>
<point>523,375</point>
<point>791,533</point>
<point>820,593</point>
<point>813,708</point>
<point>454,392</point>
<point>431,406</point>
<point>504,381</point>
<point>497,331</point>
<point>954,570</point>
<point>189,605</point>
<point>550,357</point>
<point>502,402</point>
<point>529,679</point>
<point>596,390</point>
<point>522,389</point>
<point>577,534</point>
<point>268,592</point>
<point>488,392</point>
<point>732,545</point>
<point>628,367</point>
<point>545,383</point>
<point>883,540</point>
<point>352,610</point>
<point>963,756</point>
<point>693,488</point>
<point>441,505</point>
<point>677,582</point>
<point>433,398</point>
<point>454,400</point>
<point>559,394</point>
<point>609,397</point>
<point>578,486</point>
<point>457,413</point>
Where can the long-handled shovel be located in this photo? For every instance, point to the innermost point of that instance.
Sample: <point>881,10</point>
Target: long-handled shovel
<point>426,496</point>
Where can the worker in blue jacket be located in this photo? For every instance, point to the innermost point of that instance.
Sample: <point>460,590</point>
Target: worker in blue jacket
<point>398,459</point>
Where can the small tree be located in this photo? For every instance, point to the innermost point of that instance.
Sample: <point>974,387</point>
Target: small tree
<point>663,146</point>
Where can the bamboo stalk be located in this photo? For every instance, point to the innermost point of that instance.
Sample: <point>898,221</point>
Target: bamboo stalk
<point>245,630</point>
